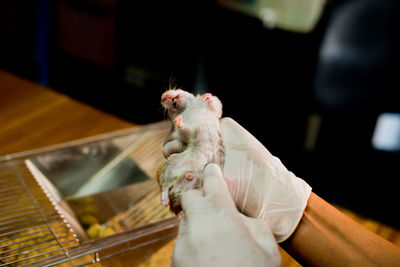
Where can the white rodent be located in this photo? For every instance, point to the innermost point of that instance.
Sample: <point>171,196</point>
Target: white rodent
<point>195,136</point>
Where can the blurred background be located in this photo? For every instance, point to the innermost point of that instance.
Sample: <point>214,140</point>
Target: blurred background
<point>324,99</point>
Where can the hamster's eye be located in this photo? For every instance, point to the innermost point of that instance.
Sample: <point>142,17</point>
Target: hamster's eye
<point>174,102</point>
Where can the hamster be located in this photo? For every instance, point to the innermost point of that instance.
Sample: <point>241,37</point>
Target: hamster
<point>195,131</point>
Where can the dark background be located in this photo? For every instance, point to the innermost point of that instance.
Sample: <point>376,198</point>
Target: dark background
<point>120,55</point>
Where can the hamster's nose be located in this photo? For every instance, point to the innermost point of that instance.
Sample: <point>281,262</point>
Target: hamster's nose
<point>165,97</point>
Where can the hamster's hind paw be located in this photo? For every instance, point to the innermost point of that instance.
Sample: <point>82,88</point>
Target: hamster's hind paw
<point>180,216</point>
<point>164,197</point>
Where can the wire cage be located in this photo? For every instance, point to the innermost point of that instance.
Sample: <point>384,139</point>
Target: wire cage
<point>112,209</point>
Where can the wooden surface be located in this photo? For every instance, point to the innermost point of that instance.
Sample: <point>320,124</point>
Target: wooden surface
<point>32,116</point>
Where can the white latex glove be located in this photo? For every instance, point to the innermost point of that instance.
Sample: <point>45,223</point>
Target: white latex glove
<point>260,184</point>
<point>213,232</point>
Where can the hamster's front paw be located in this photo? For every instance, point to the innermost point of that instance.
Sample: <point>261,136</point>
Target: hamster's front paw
<point>178,121</point>
<point>207,97</point>
<point>214,104</point>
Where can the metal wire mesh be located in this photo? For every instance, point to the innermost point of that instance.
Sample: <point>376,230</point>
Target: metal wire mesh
<point>31,227</point>
<point>34,231</point>
<point>147,210</point>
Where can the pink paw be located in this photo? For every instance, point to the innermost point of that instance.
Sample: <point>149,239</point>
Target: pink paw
<point>207,97</point>
<point>178,121</point>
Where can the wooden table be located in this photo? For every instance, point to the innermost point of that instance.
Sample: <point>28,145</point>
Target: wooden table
<point>32,116</point>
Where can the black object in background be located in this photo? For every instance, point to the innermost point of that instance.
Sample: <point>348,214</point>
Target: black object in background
<point>356,80</point>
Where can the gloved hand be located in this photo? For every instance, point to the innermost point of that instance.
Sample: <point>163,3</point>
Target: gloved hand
<point>259,183</point>
<point>213,232</point>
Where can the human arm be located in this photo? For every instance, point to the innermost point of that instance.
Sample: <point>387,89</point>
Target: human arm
<point>327,237</point>
<point>213,233</point>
